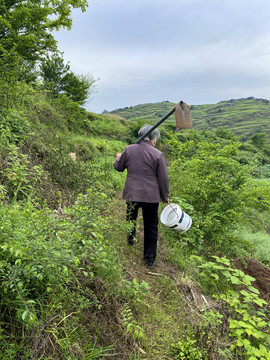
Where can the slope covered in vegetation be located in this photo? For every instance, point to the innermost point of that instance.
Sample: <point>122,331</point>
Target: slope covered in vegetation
<point>71,287</point>
<point>243,117</point>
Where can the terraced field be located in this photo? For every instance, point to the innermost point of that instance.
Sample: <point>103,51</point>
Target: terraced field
<point>244,117</point>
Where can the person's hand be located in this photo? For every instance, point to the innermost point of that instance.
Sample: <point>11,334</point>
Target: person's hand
<point>167,201</point>
<point>118,155</point>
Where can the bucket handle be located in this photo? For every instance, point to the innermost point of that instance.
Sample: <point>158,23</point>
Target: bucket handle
<point>179,222</point>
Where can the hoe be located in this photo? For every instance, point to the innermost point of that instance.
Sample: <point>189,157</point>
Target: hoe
<point>182,119</point>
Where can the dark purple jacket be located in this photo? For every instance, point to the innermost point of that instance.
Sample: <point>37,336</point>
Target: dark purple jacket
<point>147,176</point>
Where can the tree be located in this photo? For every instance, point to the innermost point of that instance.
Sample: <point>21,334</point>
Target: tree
<point>78,87</point>
<point>26,25</point>
<point>58,78</point>
<point>259,140</point>
<point>25,35</point>
<point>213,183</point>
<point>52,70</point>
<point>9,65</point>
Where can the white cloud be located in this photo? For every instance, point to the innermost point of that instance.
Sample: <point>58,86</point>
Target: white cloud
<point>154,50</point>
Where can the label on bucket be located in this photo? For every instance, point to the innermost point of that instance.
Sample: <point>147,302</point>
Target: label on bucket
<point>186,217</point>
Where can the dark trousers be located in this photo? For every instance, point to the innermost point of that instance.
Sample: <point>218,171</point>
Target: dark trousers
<point>150,223</point>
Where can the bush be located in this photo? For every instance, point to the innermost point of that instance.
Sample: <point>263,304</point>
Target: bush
<point>212,182</point>
<point>76,117</point>
<point>111,127</point>
<point>261,172</point>
<point>248,322</point>
<point>13,126</point>
<point>46,259</point>
<point>225,134</point>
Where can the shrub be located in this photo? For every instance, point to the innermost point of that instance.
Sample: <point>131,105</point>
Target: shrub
<point>13,126</point>
<point>44,258</point>
<point>212,182</point>
<point>261,172</point>
<point>248,321</point>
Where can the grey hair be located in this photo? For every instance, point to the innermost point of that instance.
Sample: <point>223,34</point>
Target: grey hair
<point>154,135</point>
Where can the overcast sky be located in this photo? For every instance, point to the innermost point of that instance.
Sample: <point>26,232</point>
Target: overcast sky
<point>198,51</point>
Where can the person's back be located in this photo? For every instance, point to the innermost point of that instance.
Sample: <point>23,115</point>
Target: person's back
<point>146,173</point>
<point>146,184</point>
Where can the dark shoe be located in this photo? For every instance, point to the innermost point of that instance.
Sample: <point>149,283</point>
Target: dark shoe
<point>150,264</point>
<point>131,237</point>
<point>131,241</point>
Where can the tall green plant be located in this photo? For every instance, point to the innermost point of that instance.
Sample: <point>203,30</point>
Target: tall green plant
<point>58,78</point>
<point>248,319</point>
<point>11,66</point>
<point>26,26</point>
<point>208,178</point>
<point>47,258</point>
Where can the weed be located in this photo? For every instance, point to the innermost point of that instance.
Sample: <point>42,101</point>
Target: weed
<point>130,324</point>
<point>248,321</point>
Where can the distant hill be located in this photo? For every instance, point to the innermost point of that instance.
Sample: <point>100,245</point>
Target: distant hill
<point>243,117</point>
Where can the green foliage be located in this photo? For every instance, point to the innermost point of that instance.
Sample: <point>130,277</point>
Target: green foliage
<point>202,341</point>
<point>29,73</point>
<point>259,244</point>
<point>18,175</point>
<point>57,78</point>
<point>257,194</point>
<point>26,26</point>
<point>69,175</point>
<point>188,349</point>
<point>262,172</point>
<point>68,341</point>
<point>259,140</point>
<point>75,115</point>
<point>42,256</point>
<point>53,69</point>
<point>134,290</point>
<point>226,134</point>
<point>130,324</point>
<point>26,35</point>
<point>13,126</point>
<point>94,353</point>
<point>248,319</point>
<point>212,182</point>
<point>107,126</point>
<point>84,148</point>
<point>11,65</point>
<point>78,87</point>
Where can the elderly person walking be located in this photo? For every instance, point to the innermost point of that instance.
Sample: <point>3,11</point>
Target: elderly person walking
<point>147,183</point>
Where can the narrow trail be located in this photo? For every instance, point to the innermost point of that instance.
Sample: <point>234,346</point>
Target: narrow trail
<point>131,256</point>
<point>174,304</point>
<point>173,300</point>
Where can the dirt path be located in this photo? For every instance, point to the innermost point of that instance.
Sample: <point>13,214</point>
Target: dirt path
<point>174,302</point>
<point>131,256</point>
<point>172,299</point>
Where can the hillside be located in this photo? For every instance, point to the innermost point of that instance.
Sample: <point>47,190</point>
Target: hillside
<point>243,117</point>
<point>73,289</point>
<point>71,286</point>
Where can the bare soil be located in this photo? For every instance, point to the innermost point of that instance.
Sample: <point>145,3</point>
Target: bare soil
<point>260,273</point>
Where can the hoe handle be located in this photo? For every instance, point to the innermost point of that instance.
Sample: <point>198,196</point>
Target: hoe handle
<point>156,125</point>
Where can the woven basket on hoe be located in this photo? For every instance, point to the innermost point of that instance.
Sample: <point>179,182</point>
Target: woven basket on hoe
<point>182,116</point>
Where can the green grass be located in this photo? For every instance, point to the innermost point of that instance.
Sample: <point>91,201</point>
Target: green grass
<point>260,243</point>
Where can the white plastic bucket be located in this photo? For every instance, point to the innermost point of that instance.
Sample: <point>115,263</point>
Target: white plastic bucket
<point>174,217</point>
